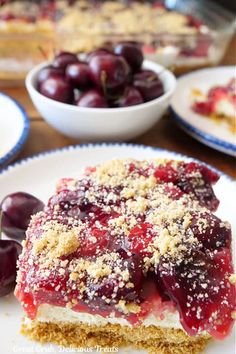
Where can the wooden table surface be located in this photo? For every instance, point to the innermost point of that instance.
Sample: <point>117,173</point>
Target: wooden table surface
<point>165,134</point>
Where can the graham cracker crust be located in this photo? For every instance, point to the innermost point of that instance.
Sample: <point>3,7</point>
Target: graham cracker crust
<point>155,340</point>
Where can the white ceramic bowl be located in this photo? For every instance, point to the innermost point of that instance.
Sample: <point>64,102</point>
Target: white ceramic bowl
<point>102,124</point>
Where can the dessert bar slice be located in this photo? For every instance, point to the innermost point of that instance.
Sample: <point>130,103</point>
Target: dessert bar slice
<point>130,253</point>
<point>219,103</point>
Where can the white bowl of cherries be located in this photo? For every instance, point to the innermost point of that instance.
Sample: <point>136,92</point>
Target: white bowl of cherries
<point>110,95</point>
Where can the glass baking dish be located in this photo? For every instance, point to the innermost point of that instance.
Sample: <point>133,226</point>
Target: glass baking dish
<point>80,26</point>
<point>19,53</point>
<point>27,37</point>
<point>202,42</point>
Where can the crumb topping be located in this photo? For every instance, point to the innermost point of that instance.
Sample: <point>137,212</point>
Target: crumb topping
<point>56,241</point>
<point>121,19</point>
<point>128,307</point>
<point>232,279</point>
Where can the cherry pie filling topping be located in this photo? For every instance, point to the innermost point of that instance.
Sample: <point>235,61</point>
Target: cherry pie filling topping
<point>130,238</point>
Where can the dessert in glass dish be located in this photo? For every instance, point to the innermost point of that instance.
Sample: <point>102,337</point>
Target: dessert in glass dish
<point>130,253</point>
<point>218,103</point>
<point>170,35</point>
<point>181,34</point>
<point>26,37</point>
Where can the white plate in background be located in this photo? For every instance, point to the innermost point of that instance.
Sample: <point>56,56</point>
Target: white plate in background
<point>209,132</point>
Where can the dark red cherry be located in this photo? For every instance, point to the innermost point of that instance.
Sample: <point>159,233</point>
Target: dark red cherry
<point>49,72</point>
<point>197,180</point>
<point>78,74</point>
<point>96,242</point>
<point>97,52</point>
<point>145,74</point>
<point>166,173</point>
<point>92,98</point>
<point>105,287</point>
<point>130,97</point>
<point>66,199</point>
<point>210,231</point>
<point>9,253</point>
<point>139,238</point>
<point>173,192</point>
<point>209,175</point>
<point>63,59</point>
<point>205,298</point>
<point>57,89</point>
<point>132,52</point>
<point>148,84</point>
<point>17,209</point>
<point>109,73</point>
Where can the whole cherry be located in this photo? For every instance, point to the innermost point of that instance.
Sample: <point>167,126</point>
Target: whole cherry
<point>109,73</point>
<point>148,84</point>
<point>17,209</point>
<point>92,98</point>
<point>9,253</point>
<point>49,72</point>
<point>15,213</point>
<point>58,89</point>
<point>78,74</point>
<point>130,97</point>
<point>63,59</point>
<point>97,52</point>
<point>132,52</point>
<point>111,76</point>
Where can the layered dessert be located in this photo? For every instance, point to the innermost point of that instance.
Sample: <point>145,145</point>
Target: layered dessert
<point>167,36</point>
<point>173,38</point>
<point>26,36</point>
<point>130,253</point>
<point>218,103</point>
<point>26,16</point>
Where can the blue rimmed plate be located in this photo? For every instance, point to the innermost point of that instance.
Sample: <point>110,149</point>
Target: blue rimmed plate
<point>209,132</point>
<point>14,128</point>
<point>68,162</point>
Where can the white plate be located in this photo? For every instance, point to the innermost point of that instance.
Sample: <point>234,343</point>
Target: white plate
<point>38,175</point>
<point>14,128</point>
<point>202,128</point>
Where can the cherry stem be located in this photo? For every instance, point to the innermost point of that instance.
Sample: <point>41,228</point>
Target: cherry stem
<point>152,78</point>
<point>1,224</point>
<point>103,81</point>
<point>43,52</point>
